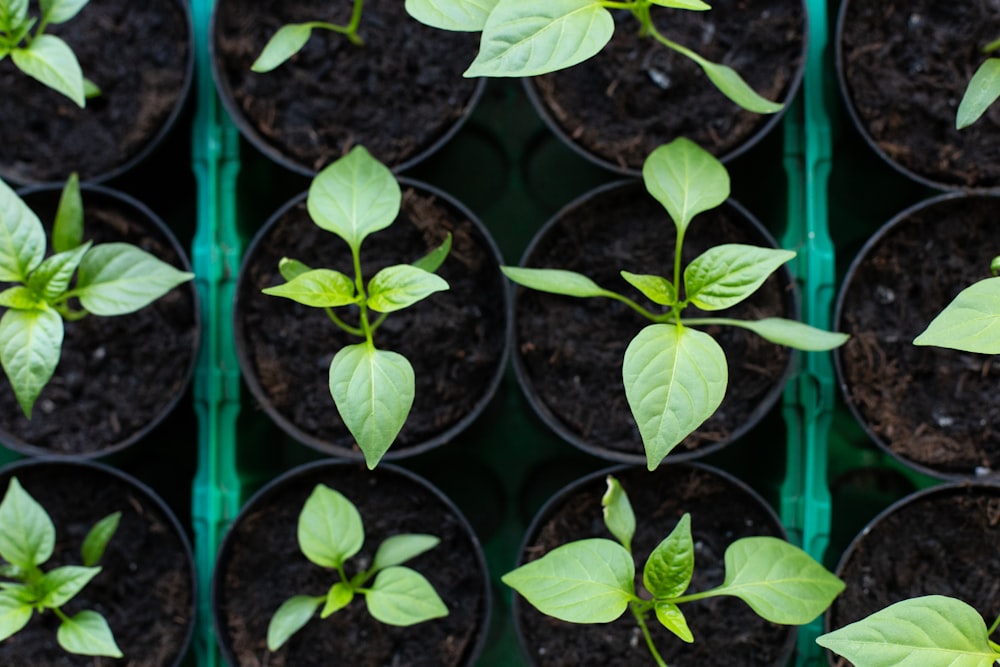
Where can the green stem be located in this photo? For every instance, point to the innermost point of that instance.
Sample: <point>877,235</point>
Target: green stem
<point>696,596</point>
<point>68,313</point>
<point>992,46</point>
<point>676,309</point>
<point>366,329</point>
<point>343,325</point>
<point>641,620</point>
<point>379,321</point>
<point>351,29</point>
<point>707,321</point>
<point>993,628</point>
<point>58,612</point>
<point>634,306</point>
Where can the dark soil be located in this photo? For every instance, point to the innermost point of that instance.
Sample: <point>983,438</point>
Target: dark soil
<point>137,53</point>
<point>637,94</point>
<point>116,375</point>
<point>572,349</point>
<point>932,406</point>
<point>727,632</point>
<point>905,66</point>
<point>397,95</point>
<point>145,589</point>
<point>261,566</point>
<point>454,339</point>
<point>939,544</point>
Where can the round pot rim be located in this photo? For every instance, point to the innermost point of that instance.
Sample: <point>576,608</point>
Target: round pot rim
<point>151,221</point>
<point>756,137</point>
<point>569,489</point>
<point>274,154</point>
<point>154,498</point>
<point>353,454</point>
<point>277,484</point>
<point>838,363</point>
<point>555,424</point>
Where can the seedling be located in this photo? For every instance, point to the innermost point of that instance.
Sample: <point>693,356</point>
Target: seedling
<point>971,322</point>
<point>675,376</point>
<point>111,279</point>
<point>330,532</point>
<point>373,389</point>
<point>982,91</point>
<point>43,57</point>
<point>593,580</point>
<point>27,540</point>
<point>290,38</point>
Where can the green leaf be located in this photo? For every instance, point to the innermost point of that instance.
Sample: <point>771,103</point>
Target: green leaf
<point>433,260</point>
<point>793,334</point>
<point>119,278</point>
<point>13,12</point>
<point>15,612</point>
<point>61,585</point>
<point>21,298</point>
<point>982,91</point>
<point>588,581</point>
<point>668,570</point>
<point>554,281</point>
<point>618,514</point>
<point>293,613</point>
<point>726,274</point>
<point>50,279</point>
<point>779,581</point>
<point>22,238</point>
<point>329,528</point>
<point>732,85</point>
<point>338,597</point>
<point>675,378</point>
<point>398,549</point>
<point>401,596</point>
<point>30,345</point>
<point>530,38</point>
<point>455,15</point>
<point>290,269</point>
<point>320,288</point>
<point>283,44</point>
<point>67,231</point>
<point>686,179</point>
<point>98,537</point>
<point>970,323</point>
<point>28,536</point>
<point>90,89</point>
<point>49,60</point>
<point>354,197</point>
<point>693,5</point>
<point>373,390</point>
<point>670,616</point>
<point>655,288</point>
<point>397,287</point>
<point>60,11</point>
<point>88,633</point>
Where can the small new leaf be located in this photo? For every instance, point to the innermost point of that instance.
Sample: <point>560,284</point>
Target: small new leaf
<point>320,288</point>
<point>655,288</point>
<point>433,260</point>
<point>51,278</point>
<point>290,269</point>
<point>726,274</point>
<point>398,287</point>
<point>338,597</point>
<point>686,179</point>
<point>982,91</point>
<point>668,570</point>
<point>88,633</point>
<point>670,616</point>
<point>119,278</point>
<point>554,281</point>
<point>28,536</point>
<point>290,617</point>
<point>21,298</point>
<point>401,596</point>
<point>96,541</point>
<point>970,323</point>
<point>618,514</point>
<point>329,528</point>
<point>398,549</point>
<point>49,60</point>
<point>67,231</point>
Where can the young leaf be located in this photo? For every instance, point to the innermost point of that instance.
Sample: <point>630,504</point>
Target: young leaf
<point>588,581</point>
<point>88,633</point>
<point>398,549</point>
<point>373,390</point>
<point>354,197</point>
<point>98,537</point>
<point>530,38</point>
<point>321,288</point>
<point>655,288</point>
<point>779,581</point>
<point>618,514</point>
<point>401,596</point>
<point>732,85</point>
<point>675,378</point>
<point>792,333</point>
<point>398,287</point>
<point>119,278</point>
<point>15,612</point>
<point>290,269</point>
<point>67,231</point>
<point>28,536</point>
<point>693,5</point>
<point>283,44</point>
<point>329,528</point>
<point>30,344</point>
<point>982,91</point>
<point>686,179</point>
<point>61,585</point>
<point>12,13</point>
<point>970,323</point>
<point>22,238</point>
<point>338,597</point>
<point>90,89</point>
<point>668,570</point>
<point>454,15</point>
<point>433,260</point>
<point>554,281</point>
<point>60,11</point>
<point>51,278</point>
<point>21,298</point>
<point>726,274</point>
<point>49,60</point>
<point>670,616</point>
<point>293,613</point>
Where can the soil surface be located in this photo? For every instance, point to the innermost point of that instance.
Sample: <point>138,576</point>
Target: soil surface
<point>454,339</point>
<point>905,67</point>
<point>397,95</point>
<point>137,53</point>
<point>933,406</point>
<point>571,350</point>
<point>637,94</point>
<point>145,589</point>
<point>727,632</point>
<point>116,375</point>
<point>940,544</point>
<point>261,566</point>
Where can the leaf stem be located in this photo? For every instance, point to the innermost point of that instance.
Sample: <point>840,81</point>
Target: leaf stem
<point>641,620</point>
<point>633,305</point>
<point>993,628</point>
<point>342,324</point>
<point>351,29</point>
<point>676,309</point>
<point>366,329</point>
<point>992,46</point>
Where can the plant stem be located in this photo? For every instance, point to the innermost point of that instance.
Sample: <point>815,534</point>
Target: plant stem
<point>676,309</point>
<point>992,46</point>
<point>641,620</point>
<point>342,324</point>
<point>359,283</point>
<point>634,306</point>
<point>993,628</point>
<point>351,29</point>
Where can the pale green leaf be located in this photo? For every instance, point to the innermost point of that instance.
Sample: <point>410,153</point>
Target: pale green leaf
<point>618,514</point>
<point>22,237</point>
<point>290,617</point>
<point>401,596</point>
<point>51,278</point>
<point>675,378</point>
<point>90,89</point>
<point>930,631</point>
<point>15,612</point>
<point>13,12</point>
<point>398,549</point>
<point>792,333</point>
<point>59,586</point>
<point>338,597</point>
<point>433,260</point>
<point>30,345</point>
<point>285,43</point>
<point>49,60</point>
<point>971,322</point>
<point>668,570</point>
<point>88,633</point>
<point>397,287</point>
<point>982,91</point>
<point>588,581</point>
<point>27,534</point>
<point>67,231</point>
<point>60,11</point>
<point>693,5</point>
<point>554,281</point>
<point>732,85</point>
<point>21,298</point>
<point>329,528</point>
<point>319,288</point>
<point>670,616</point>
<point>655,288</point>
<point>119,278</point>
<point>290,269</point>
<point>530,38</point>
<point>455,15</point>
<point>373,390</point>
<point>726,274</point>
<point>686,179</point>
<point>98,537</point>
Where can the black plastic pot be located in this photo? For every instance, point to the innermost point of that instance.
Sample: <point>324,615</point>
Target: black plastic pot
<point>259,566</point>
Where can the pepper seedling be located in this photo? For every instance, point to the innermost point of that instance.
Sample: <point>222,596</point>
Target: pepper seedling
<point>330,531</point>
<point>111,279</point>
<point>593,580</point>
<point>290,38</point>
<point>971,322</point>
<point>27,541</point>
<point>373,389</point>
<point>982,91</point>
<point>675,376</point>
